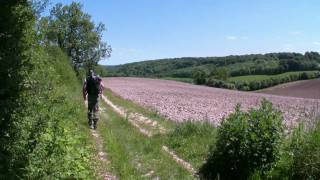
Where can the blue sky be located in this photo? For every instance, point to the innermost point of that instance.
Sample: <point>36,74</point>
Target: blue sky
<point>152,29</point>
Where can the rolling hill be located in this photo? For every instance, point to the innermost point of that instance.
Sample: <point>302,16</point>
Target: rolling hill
<point>254,64</point>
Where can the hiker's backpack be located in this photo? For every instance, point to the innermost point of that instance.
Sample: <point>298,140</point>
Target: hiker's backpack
<point>93,85</point>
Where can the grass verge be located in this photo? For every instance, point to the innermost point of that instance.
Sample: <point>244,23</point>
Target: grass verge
<point>192,141</point>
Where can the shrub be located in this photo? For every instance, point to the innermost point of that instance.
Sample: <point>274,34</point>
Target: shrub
<point>199,76</point>
<point>247,142</point>
<point>219,83</point>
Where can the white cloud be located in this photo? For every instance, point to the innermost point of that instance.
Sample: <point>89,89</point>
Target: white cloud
<point>316,43</point>
<point>288,47</point>
<point>295,33</point>
<point>231,38</point>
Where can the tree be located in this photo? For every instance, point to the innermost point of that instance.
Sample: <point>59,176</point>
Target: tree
<point>74,32</point>
<point>199,76</point>
<point>222,74</point>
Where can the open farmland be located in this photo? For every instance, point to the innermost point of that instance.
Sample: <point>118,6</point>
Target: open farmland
<point>250,78</point>
<point>303,89</point>
<point>181,101</point>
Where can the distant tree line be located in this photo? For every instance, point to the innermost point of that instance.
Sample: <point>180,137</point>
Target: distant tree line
<point>244,85</point>
<point>272,63</point>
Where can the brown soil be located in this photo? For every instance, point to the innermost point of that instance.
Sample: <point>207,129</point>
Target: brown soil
<point>184,102</point>
<point>303,89</point>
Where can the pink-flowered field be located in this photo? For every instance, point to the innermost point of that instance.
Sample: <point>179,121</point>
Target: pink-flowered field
<point>180,101</point>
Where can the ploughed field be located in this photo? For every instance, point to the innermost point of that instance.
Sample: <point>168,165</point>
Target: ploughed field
<point>303,89</point>
<point>181,101</point>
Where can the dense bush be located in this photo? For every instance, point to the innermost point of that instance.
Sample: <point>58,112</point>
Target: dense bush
<point>199,76</point>
<point>247,142</point>
<point>219,83</point>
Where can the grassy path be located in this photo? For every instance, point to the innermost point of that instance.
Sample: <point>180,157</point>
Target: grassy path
<point>152,128</point>
<point>102,156</point>
<point>134,155</point>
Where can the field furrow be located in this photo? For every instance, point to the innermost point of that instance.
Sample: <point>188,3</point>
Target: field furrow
<point>181,102</point>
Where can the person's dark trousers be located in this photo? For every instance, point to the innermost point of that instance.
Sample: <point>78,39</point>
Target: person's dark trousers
<point>93,111</point>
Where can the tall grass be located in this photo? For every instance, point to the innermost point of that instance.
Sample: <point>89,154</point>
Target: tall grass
<point>192,141</point>
<point>301,151</point>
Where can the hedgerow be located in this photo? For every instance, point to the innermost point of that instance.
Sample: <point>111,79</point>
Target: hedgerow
<point>41,112</point>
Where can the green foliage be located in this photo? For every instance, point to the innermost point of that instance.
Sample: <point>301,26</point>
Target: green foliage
<point>219,83</point>
<point>255,82</point>
<point>100,70</point>
<point>301,155</point>
<point>267,64</point>
<point>74,32</point>
<point>38,102</point>
<point>306,154</point>
<point>221,74</point>
<point>247,142</point>
<point>199,76</point>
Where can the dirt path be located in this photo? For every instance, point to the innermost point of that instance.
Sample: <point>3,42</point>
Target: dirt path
<point>102,156</point>
<point>137,120</point>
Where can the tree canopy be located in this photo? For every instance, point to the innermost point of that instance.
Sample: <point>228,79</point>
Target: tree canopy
<point>76,34</point>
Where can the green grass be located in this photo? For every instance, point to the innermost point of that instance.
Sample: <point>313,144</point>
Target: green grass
<point>192,141</point>
<point>185,80</point>
<point>263,77</point>
<point>133,155</point>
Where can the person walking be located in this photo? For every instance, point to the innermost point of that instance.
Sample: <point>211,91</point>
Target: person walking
<point>92,90</point>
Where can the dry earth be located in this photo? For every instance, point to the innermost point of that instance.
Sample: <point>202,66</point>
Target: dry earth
<point>180,101</point>
<point>303,89</point>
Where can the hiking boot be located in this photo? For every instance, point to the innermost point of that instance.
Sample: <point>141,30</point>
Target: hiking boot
<point>92,126</point>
